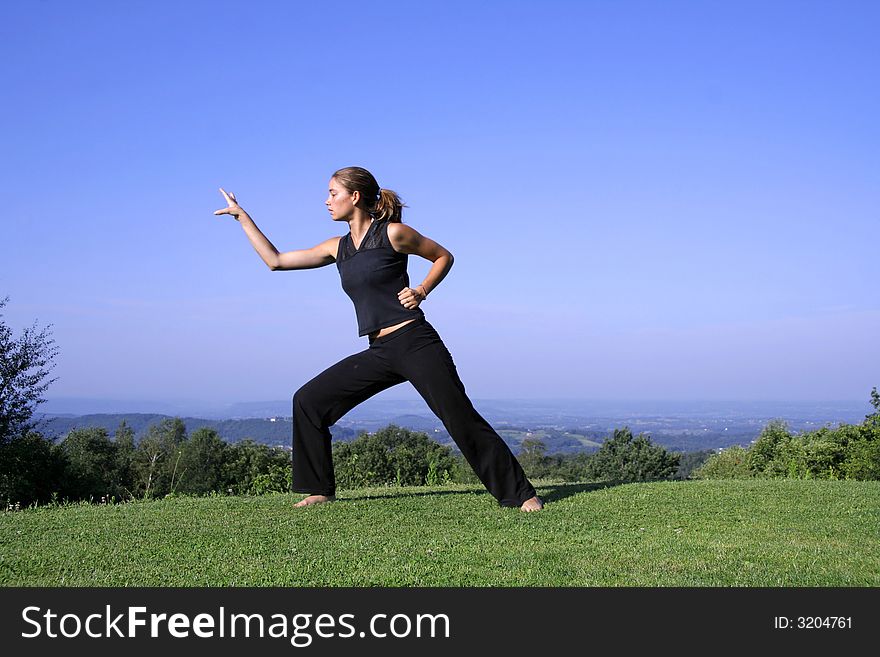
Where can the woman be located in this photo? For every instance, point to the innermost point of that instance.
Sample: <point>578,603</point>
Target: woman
<point>403,346</point>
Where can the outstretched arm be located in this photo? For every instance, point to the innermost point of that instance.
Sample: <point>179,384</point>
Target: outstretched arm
<point>318,256</point>
<point>408,240</point>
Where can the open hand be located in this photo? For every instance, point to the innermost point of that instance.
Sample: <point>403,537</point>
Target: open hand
<point>233,207</point>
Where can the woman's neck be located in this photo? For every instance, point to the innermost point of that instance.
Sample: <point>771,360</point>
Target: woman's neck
<point>359,226</point>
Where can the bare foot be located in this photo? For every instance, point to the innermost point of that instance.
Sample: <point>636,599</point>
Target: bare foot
<point>532,504</point>
<point>315,499</point>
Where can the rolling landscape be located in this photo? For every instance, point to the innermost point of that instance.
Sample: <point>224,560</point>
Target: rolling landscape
<point>564,427</point>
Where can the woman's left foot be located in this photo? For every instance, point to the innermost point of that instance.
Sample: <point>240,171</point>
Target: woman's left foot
<point>532,504</point>
<point>311,500</point>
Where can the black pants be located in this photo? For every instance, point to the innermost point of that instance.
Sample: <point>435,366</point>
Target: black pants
<point>413,353</point>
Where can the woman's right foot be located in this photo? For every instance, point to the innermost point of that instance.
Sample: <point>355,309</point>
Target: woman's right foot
<point>315,499</point>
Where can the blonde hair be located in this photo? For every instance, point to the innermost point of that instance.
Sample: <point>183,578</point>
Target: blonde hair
<point>381,203</point>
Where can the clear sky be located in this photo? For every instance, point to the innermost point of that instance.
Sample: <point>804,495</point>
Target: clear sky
<point>646,200</point>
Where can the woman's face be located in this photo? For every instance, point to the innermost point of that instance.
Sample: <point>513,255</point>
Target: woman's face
<point>340,201</point>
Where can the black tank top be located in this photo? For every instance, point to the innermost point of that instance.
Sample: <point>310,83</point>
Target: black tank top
<point>372,276</point>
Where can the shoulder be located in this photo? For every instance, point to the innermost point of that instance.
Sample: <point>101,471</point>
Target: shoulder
<point>400,230</point>
<point>331,246</point>
<point>403,238</point>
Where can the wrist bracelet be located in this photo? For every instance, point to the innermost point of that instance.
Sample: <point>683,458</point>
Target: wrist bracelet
<point>424,290</point>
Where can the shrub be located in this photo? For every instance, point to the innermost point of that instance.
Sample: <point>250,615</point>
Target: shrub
<point>277,480</point>
<point>731,463</point>
<point>89,458</point>
<point>626,458</point>
<point>764,455</point>
<point>391,456</point>
<point>29,470</point>
<point>863,461</point>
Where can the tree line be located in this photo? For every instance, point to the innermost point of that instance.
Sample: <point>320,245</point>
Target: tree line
<point>398,456</point>
<point>848,451</point>
<point>87,464</point>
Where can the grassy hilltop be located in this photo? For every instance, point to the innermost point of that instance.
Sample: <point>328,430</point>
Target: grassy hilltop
<point>689,533</point>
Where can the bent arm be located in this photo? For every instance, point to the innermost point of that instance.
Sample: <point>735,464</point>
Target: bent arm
<point>407,240</point>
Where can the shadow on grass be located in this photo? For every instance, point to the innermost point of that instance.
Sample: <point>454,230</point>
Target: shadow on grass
<point>358,497</point>
<point>556,492</point>
<point>548,493</point>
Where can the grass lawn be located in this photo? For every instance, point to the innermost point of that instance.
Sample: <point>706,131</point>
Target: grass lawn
<point>692,533</point>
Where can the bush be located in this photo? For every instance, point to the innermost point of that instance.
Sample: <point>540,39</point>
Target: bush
<point>29,470</point>
<point>863,461</point>
<point>461,471</point>
<point>625,458</point>
<point>277,480</point>
<point>690,461</point>
<point>533,458</point>
<point>249,462</point>
<point>200,461</point>
<point>391,456</point>
<point>764,454</point>
<point>731,463</point>
<point>90,465</point>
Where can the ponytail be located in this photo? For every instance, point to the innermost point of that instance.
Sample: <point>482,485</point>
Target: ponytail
<point>388,206</point>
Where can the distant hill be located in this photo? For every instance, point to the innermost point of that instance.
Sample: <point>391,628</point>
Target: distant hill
<point>276,431</point>
<point>563,427</point>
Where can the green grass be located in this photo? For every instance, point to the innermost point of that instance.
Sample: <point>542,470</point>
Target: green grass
<point>694,533</point>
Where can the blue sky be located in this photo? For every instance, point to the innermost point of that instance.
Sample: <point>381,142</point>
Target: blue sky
<point>646,200</point>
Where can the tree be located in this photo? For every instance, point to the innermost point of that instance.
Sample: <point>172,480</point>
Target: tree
<point>391,456</point>
<point>25,364</point>
<point>202,463</point>
<point>158,456</point>
<point>533,458</point>
<point>625,458</point>
<point>863,454</point>
<point>729,463</point>
<point>29,470</point>
<point>254,468</point>
<point>573,467</point>
<point>126,454</point>
<point>767,455</point>
<point>875,402</point>
<point>90,465</point>
<point>689,462</point>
